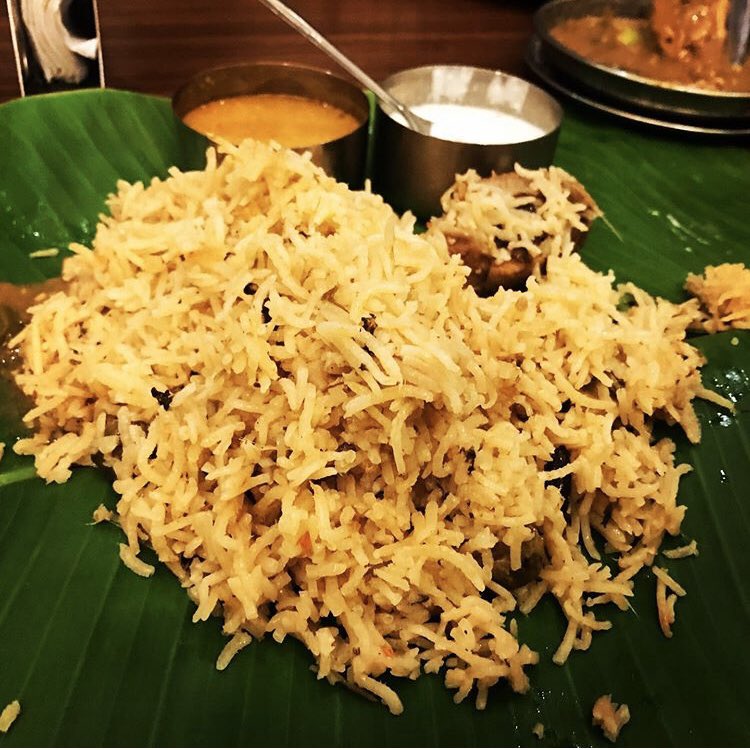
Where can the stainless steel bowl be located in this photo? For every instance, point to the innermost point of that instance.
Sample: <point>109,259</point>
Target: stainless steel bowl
<point>411,171</point>
<point>343,158</point>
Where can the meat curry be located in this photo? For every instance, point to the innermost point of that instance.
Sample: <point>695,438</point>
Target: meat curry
<point>681,42</point>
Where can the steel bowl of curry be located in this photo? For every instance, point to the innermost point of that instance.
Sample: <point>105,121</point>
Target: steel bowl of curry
<point>663,55</point>
<point>299,107</point>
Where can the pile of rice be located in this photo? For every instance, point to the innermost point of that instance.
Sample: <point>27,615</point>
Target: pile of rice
<point>324,433</point>
<point>724,293</point>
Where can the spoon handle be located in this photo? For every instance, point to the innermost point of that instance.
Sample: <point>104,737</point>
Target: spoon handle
<point>311,34</point>
<point>738,30</point>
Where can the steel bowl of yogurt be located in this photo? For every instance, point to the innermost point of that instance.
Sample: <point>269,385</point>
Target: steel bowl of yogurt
<point>478,119</point>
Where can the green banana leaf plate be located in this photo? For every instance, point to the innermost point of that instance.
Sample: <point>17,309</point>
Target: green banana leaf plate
<point>98,656</point>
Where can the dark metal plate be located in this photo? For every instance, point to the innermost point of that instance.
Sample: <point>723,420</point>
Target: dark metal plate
<point>593,79</point>
<point>558,82</point>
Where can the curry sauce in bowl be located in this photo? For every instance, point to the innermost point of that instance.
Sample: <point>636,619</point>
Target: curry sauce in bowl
<point>299,107</point>
<point>292,121</point>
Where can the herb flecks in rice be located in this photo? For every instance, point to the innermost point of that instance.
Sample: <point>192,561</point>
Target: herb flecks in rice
<point>163,398</point>
<point>344,486</point>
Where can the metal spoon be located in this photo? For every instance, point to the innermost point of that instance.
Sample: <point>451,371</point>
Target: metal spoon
<point>299,24</point>
<point>738,30</point>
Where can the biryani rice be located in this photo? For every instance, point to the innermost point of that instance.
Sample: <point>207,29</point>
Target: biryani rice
<point>724,293</point>
<point>325,434</point>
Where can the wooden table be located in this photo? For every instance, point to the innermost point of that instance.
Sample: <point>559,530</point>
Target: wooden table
<point>155,45</point>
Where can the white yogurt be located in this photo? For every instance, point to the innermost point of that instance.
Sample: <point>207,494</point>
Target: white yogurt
<point>467,124</point>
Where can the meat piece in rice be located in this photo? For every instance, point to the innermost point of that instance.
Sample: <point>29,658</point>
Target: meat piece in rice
<point>506,225</point>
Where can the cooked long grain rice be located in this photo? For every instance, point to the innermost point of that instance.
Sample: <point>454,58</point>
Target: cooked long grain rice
<point>9,715</point>
<point>134,563</point>
<point>724,292</point>
<point>610,716</point>
<point>235,644</point>
<point>50,252</point>
<point>663,575</point>
<point>665,602</point>
<point>101,514</point>
<point>665,607</point>
<point>317,426</point>
<point>687,550</point>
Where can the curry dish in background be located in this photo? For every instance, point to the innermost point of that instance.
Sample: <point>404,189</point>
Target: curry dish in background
<point>681,42</point>
<point>292,121</point>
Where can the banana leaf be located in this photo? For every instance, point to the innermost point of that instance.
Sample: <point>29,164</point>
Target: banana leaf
<point>98,656</point>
